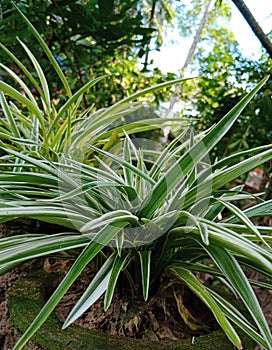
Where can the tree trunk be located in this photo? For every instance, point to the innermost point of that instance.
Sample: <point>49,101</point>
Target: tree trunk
<point>254,25</point>
<point>151,20</point>
<point>191,52</point>
<point>197,37</point>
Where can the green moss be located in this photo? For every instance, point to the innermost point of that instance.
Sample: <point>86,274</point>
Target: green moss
<point>27,296</point>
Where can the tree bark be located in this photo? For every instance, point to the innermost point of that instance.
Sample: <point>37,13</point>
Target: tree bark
<point>191,52</point>
<point>254,25</point>
<point>197,37</point>
<point>151,20</point>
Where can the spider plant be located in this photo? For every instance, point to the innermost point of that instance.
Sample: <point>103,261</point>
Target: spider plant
<point>158,211</point>
<point>35,121</point>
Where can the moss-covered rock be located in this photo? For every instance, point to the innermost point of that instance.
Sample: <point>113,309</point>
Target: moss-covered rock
<point>28,295</point>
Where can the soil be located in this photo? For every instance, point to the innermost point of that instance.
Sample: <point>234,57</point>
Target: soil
<point>166,315</point>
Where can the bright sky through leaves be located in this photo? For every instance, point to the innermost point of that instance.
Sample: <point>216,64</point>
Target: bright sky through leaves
<point>171,56</point>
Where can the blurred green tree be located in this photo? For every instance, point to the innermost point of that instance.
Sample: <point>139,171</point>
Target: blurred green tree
<point>90,38</point>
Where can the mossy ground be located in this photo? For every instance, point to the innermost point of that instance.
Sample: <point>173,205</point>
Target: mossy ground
<point>26,299</point>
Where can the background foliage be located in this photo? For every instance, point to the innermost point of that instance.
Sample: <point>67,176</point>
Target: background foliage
<point>95,38</point>
<point>89,39</point>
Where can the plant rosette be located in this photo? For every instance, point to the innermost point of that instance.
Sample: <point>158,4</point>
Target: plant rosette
<point>141,213</point>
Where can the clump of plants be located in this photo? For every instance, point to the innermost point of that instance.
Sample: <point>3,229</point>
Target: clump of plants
<point>136,214</point>
<point>50,122</point>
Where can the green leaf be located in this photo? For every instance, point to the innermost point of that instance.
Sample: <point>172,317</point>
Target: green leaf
<point>104,236</point>
<point>220,178</point>
<point>17,250</point>
<point>96,288</point>
<point>88,186</point>
<point>140,126</point>
<point>113,109</point>
<point>145,260</point>
<point>242,216</point>
<point>188,161</point>
<point>70,102</point>
<point>239,244</point>
<point>117,267</point>
<point>48,53</point>
<point>262,209</point>
<point>7,89</point>
<point>30,77</point>
<point>128,159</point>
<point>108,219</point>
<point>53,169</point>
<point>9,116</point>
<point>233,159</point>
<point>264,230</point>
<point>234,242</point>
<point>233,272</point>
<point>125,164</point>
<point>57,215</point>
<point>236,317</point>
<point>45,90</point>
<point>203,294</point>
<point>19,81</point>
<point>201,226</point>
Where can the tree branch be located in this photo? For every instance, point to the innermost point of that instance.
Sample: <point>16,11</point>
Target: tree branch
<point>254,25</point>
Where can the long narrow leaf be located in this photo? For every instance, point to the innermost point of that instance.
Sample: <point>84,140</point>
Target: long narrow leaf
<point>117,267</point>
<point>70,102</point>
<point>124,164</point>
<point>96,288</point>
<point>105,235</point>
<point>18,80</point>
<point>235,275</point>
<point>220,178</point>
<point>9,116</point>
<point>242,216</point>
<point>7,89</point>
<point>187,162</point>
<point>51,214</point>
<point>236,317</point>
<point>34,246</point>
<point>22,68</point>
<point>48,53</point>
<point>262,209</point>
<point>145,260</point>
<point>53,169</point>
<point>45,89</point>
<point>203,294</point>
<point>140,126</point>
<point>233,159</point>
<point>108,219</point>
